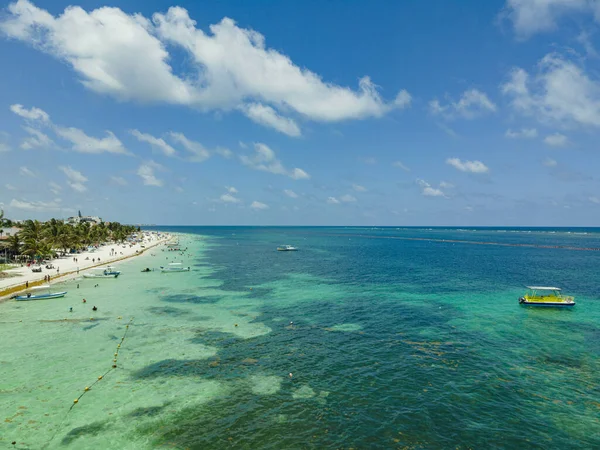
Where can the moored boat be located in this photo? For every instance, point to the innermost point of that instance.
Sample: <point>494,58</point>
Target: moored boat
<point>175,267</point>
<point>106,272</point>
<point>35,293</point>
<point>287,248</point>
<point>546,296</point>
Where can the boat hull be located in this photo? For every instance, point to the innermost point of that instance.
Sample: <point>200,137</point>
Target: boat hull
<point>524,302</point>
<point>40,296</point>
<point>91,275</point>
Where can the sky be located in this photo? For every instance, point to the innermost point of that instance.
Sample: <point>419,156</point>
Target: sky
<point>302,112</point>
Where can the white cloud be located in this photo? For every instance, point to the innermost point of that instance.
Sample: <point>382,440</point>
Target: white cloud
<point>333,201</point>
<point>36,139</point>
<point>258,205</point>
<point>446,185</point>
<point>556,140</point>
<point>23,170</point>
<point>534,16</point>
<point>55,188</point>
<point>473,103</point>
<point>29,114</point>
<point>359,188</point>
<point>468,166</point>
<point>10,187</point>
<point>369,160</point>
<point>595,200</point>
<point>428,190</point>
<point>53,205</point>
<point>548,162</point>
<point>264,159</point>
<point>290,193</point>
<point>231,189</point>
<point>267,116</point>
<point>228,198</point>
<point>224,152</point>
<point>179,189</point>
<point>400,165</point>
<point>75,179</point>
<point>523,133</point>
<point>118,181</point>
<point>126,56</point>
<point>199,153</point>
<point>146,173</point>
<point>348,198</point>
<point>87,144</point>
<point>156,143</point>
<point>243,145</point>
<point>560,93</point>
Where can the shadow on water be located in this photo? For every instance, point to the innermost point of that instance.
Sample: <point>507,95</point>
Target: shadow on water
<point>184,298</point>
<point>167,310</point>
<point>92,429</point>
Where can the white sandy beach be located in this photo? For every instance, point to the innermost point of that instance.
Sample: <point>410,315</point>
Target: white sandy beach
<point>85,260</point>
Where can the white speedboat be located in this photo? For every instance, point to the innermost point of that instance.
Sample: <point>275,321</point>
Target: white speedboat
<point>546,296</point>
<point>175,267</point>
<point>287,248</point>
<point>106,272</point>
<point>37,293</point>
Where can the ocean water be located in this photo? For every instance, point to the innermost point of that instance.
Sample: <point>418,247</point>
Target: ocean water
<point>395,338</point>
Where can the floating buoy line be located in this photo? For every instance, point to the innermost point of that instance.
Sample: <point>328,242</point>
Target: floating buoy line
<point>88,388</point>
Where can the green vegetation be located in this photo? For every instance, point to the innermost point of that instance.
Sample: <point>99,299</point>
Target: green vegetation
<point>40,240</point>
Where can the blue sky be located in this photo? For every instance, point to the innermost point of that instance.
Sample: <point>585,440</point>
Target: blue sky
<point>307,113</point>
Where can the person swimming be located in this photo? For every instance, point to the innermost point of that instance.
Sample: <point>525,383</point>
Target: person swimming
<point>94,309</point>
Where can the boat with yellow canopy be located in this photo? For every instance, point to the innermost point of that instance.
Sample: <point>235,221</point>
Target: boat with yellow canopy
<point>546,296</point>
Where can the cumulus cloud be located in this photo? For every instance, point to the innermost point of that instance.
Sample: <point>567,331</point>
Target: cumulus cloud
<point>348,198</point>
<point>264,159</point>
<point>290,193</point>
<point>81,141</point>
<point>75,179</point>
<point>359,188</point>
<point>228,198</point>
<point>30,114</point>
<point>23,170</point>
<point>473,103</point>
<point>559,93</point>
<point>118,181</point>
<point>55,188</point>
<point>88,144</point>
<point>267,116</point>
<point>231,189</point>
<point>10,187</point>
<point>556,140</point>
<point>155,143</point>
<point>333,201</point>
<point>258,206</point>
<point>446,185</point>
<point>54,205</point>
<point>197,150</point>
<point>468,166</point>
<point>224,152</point>
<point>428,190</point>
<point>36,139</point>
<point>400,165</point>
<point>534,16</point>
<point>146,173</point>
<point>548,162</point>
<point>523,133</point>
<point>126,56</point>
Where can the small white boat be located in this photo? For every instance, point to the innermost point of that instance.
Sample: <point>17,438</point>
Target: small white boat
<point>33,294</point>
<point>287,248</point>
<point>107,272</point>
<point>546,296</point>
<point>175,267</point>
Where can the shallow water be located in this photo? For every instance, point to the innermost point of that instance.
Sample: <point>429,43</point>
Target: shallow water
<point>394,343</point>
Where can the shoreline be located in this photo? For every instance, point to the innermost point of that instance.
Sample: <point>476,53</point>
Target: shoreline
<point>7,292</point>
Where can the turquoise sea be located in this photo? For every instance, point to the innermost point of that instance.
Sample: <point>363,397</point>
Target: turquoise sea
<point>406,338</point>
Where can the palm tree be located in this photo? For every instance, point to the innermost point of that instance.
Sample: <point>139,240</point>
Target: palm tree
<point>14,243</point>
<point>33,238</point>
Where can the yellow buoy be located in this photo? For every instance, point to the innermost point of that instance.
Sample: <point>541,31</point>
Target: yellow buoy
<point>114,366</point>
<point>86,389</point>
<point>76,400</point>
<point>91,318</point>
<point>119,317</point>
<point>100,377</point>
<point>236,324</point>
<point>116,354</point>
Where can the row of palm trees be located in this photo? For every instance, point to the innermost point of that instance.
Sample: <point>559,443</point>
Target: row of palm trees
<point>39,240</point>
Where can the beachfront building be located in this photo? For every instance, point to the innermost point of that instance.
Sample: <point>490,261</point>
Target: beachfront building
<point>93,220</point>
